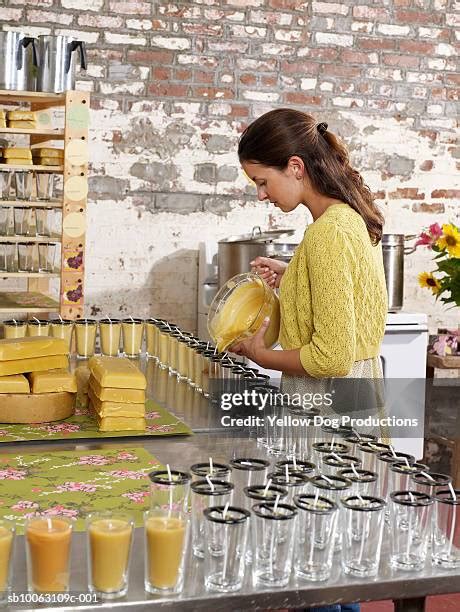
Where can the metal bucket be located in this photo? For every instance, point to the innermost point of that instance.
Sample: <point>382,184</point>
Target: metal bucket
<point>18,64</point>
<point>56,63</point>
<point>393,262</point>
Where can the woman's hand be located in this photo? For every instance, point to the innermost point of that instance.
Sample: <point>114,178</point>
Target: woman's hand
<point>269,269</point>
<point>253,348</point>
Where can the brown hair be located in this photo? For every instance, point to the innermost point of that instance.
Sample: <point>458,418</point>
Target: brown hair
<point>279,134</point>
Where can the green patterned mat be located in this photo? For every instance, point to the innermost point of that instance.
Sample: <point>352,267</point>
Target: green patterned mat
<point>160,422</point>
<point>75,483</point>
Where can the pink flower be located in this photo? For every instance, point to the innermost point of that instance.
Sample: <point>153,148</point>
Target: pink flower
<point>130,474</point>
<point>163,428</point>
<point>435,230</point>
<point>61,428</point>
<point>137,498</point>
<point>12,474</point>
<point>424,240</point>
<point>93,460</point>
<point>61,511</point>
<point>81,411</point>
<point>25,505</point>
<point>3,432</point>
<point>77,486</point>
<point>152,415</point>
<point>125,456</point>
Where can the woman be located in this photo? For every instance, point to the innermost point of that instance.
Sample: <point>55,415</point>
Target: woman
<point>333,297</point>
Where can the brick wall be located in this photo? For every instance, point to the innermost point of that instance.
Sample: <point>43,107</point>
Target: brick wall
<point>173,84</point>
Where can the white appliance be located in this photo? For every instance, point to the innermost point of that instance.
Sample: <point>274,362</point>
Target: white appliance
<point>403,350</point>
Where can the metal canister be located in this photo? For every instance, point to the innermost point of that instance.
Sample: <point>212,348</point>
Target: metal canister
<point>18,65</point>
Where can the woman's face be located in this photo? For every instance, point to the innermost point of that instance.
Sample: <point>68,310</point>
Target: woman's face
<point>281,187</point>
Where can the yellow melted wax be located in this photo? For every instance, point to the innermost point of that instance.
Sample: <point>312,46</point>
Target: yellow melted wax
<point>243,314</point>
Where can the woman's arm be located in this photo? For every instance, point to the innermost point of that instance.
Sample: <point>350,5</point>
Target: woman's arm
<point>254,349</point>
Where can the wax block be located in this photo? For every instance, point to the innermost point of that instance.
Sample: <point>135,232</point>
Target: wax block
<point>117,372</point>
<point>18,162</point>
<point>29,347</point>
<point>2,123</point>
<point>35,364</point>
<point>53,381</point>
<point>29,408</point>
<point>120,424</point>
<point>48,152</point>
<point>22,125</point>
<point>17,152</point>
<point>47,161</point>
<point>115,409</point>
<point>21,115</point>
<point>125,396</point>
<point>14,384</point>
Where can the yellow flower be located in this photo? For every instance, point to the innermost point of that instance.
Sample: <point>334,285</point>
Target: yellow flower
<point>426,279</point>
<point>450,240</point>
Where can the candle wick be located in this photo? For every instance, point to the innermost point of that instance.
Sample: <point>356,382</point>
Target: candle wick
<point>169,472</point>
<point>267,486</point>
<point>287,472</point>
<point>316,497</point>
<point>277,501</point>
<point>452,491</point>
<point>15,322</point>
<point>210,483</point>
<point>224,513</point>
<point>210,466</point>
<point>392,450</point>
<point>428,476</point>
<point>354,470</point>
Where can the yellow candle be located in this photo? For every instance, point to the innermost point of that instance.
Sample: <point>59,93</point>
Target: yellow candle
<point>63,329</point>
<point>110,331</point>
<point>85,332</point>
<point>35,327</point>
<point>165,549</point>
<point>6,543</point>
<point>14,329</point>
<point>48,542</point>
<point>110,543</point>
<point>133,331</point>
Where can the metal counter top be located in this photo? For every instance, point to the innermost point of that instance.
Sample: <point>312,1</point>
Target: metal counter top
<point>407,589</point>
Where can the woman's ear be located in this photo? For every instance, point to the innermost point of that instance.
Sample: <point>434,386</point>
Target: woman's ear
<point>297,167</point>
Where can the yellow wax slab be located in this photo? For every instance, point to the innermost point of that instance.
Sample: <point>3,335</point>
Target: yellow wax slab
<point>2,114</point>
<point>121,424</point>
<point>47,161</point>
<point>29,347</point>
<point>14,384</point>
<point>18,162</point>
<point>21,115</point>
<point>23,153</point>
<point>53,381</point>
<point>36,364</point>
<point>21,124</point>
<point>82,374</point>
<point>125,396</point>
<point>117,372</point>
<point>48,152</point>
<point>116,409</point>
<point>2,123</point>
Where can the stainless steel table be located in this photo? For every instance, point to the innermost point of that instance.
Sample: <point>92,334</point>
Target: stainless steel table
<point>407,589</point>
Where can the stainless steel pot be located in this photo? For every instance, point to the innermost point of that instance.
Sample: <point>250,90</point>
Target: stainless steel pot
<point>393,262</point>
<point>18,61</point>
<point>236,252</point>
<point>56,69</point>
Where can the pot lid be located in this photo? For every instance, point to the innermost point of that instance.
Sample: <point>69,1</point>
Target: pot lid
<point>257,235</point>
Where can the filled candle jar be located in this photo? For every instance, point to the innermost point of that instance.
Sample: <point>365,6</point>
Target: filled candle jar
<point>110,332</point>
<point>109,546</point>
<point>14,329</point>
<point>166,535</point>
<point>48,554</point>
<point>133,333</point>
<point>7,531</point>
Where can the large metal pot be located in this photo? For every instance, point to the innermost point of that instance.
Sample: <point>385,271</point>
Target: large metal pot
<point>18,61</point>
<point>393,262</point>
<point>236,252</point>
<point>56,69</point>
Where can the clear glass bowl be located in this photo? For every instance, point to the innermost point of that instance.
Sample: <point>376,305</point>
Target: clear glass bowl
<point>239,308</point>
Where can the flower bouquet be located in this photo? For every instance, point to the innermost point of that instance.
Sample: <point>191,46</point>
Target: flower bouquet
<point>444,281</point>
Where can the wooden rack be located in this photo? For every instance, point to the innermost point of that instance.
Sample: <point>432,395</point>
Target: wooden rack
<point>73,204</point>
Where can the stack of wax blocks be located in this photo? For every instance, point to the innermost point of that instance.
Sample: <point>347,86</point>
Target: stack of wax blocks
<point>117,394</point>
<point>35,365</point>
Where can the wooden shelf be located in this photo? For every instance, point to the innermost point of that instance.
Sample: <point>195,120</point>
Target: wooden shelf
<point>32,96</point>
<point>445,363</point>
<point>29,274</point>
<point>26,301</point>
<point>56,169</point>
<point>55,134</point>
<point>32,203</point>
<point>33,239</point>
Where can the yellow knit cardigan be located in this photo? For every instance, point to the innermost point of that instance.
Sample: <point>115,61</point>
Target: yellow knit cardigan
<point>333,296</point>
